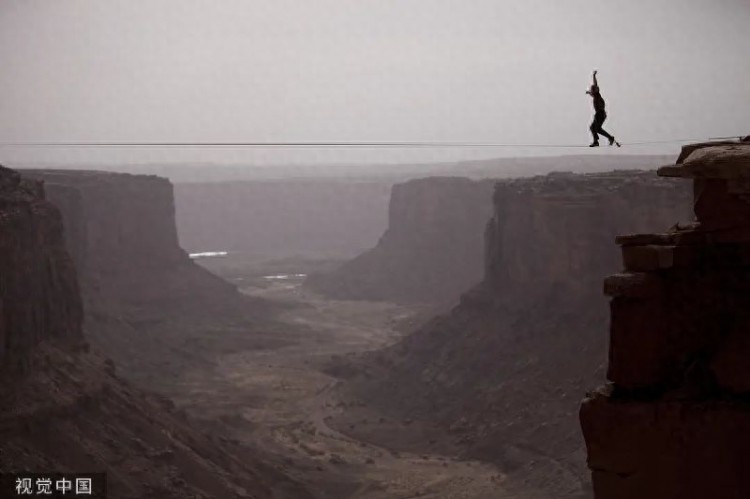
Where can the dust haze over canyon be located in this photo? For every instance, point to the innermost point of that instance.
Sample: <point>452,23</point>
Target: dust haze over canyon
<point>494,311</point>
<point>316,337</point>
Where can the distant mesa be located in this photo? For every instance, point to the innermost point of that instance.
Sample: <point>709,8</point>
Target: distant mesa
<point>431,251</point>
<point>140,289</point>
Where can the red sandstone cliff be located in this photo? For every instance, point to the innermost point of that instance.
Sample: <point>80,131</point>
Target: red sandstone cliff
<point>674,421</point>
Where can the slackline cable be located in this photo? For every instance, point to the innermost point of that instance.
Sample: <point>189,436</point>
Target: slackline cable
<point>344,144</point>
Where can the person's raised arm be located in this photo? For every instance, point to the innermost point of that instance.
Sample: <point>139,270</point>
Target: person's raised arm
<point>596,84</point>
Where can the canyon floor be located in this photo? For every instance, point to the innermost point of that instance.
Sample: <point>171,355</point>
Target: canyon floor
<point>280,401</point>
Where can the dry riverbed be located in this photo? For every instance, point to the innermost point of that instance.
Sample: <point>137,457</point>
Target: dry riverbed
<point>278,402</point>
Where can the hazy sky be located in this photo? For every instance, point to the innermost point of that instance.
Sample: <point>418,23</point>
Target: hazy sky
<point>372,70</point>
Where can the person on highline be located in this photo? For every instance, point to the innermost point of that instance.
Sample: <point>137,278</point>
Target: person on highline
<point>599,116</point>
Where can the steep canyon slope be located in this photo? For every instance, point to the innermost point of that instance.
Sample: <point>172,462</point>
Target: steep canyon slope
<point>502,372</point>
<point>40,297</point>
<point>432,249</point>
<point>145,300</point>
<point>63,409</point>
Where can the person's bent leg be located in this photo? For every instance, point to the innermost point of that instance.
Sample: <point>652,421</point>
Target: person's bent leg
<point>599,119</point>
<point>593,129</point>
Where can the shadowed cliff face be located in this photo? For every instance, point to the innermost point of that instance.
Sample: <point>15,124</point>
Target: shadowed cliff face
<point>66,410</point>
<point>115,221</point>
<point>143,296</point>
<point>674,421</point>
<point>551,235</point>
<point>39,296</point>
<point>502,371</point>
<point>431,251</point>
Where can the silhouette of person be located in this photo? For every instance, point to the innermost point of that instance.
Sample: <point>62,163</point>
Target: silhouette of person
<point>599,116</point>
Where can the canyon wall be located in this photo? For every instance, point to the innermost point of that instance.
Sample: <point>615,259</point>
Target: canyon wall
<point>674,420</point>
<point>431,251</point>
<point>144,298</point>
<point>552,233</point>
<point>278,218</point>
<point>39,298</point>
<point>63,408</point>
<point>501,372</point>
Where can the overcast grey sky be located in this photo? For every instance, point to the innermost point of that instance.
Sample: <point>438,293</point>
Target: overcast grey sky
<point>373,70</point>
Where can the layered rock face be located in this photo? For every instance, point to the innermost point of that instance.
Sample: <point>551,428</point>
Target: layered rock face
<point>431,251</point>
<point>501,371</point>
<point>674,421</point>
<point>63,409</point>
<point>143,296</point>
<point>277,218</point>
<point>551,233</point>
<point>39,296</point>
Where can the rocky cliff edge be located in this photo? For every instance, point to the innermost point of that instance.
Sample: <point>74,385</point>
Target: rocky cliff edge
<point>674,420</point>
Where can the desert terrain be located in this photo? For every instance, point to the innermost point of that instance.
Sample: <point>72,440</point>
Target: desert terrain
<point>279,400</point>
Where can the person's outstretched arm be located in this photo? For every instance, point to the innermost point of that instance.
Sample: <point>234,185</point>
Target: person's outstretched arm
<point>596,84</point>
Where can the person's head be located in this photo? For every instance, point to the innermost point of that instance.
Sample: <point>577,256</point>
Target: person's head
<point>593,89</point>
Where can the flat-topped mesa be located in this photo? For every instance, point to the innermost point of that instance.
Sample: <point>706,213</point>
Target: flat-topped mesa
<point>140,289</point>
<point>675,421</point>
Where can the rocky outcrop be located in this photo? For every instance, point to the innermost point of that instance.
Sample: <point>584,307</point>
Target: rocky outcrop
<point>501,372</point>
<point>431,251</point>
<point>144,299</point>
<point>39,296</point>
<point>281,218</point>
<point>673,422</point>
